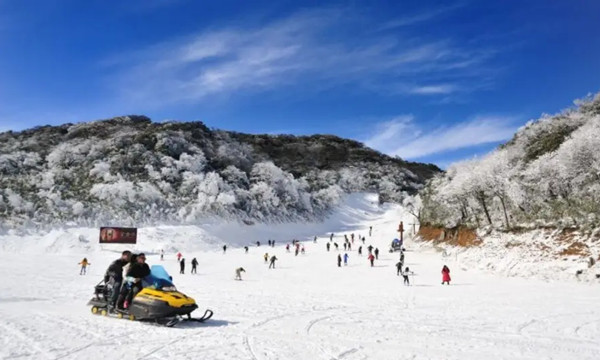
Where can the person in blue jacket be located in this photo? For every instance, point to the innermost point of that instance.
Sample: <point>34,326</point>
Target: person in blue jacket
<point>346,256</point>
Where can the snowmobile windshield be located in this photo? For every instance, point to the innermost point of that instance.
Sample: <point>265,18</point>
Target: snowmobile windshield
<point>159,279</point>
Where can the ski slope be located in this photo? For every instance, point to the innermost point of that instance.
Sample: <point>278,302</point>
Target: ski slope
<point>306,308</point>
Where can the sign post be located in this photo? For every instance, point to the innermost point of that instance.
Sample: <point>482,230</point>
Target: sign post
<point>117,235</point>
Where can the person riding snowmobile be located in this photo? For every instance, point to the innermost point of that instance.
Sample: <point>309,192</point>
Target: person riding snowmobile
<point>114,275</point>
<point>136,272</point>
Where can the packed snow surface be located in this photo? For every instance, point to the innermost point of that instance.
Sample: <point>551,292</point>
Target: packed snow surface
<point>306,308</point>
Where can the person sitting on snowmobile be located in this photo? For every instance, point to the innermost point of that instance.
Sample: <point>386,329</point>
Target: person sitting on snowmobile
<point>114,275</point>
<point>137,271</point>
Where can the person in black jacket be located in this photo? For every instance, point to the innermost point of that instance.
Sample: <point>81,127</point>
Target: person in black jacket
<point>114,276</point>
<point>194,264</point>
<point>182,266</point>
<point>138,269</point>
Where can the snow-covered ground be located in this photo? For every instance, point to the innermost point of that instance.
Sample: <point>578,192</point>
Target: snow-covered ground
<point>307,308</point>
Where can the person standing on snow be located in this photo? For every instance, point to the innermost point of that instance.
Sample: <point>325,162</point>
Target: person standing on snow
<point>84,264</point>
<point>302,250</point>
<point>182,266</point>
<point>266,257</point>
<point>272,243</point>
<point>339,260</point>
<point>194,264</point>
<point>328,245</point>
<point>246,249</point>
<point>179,256</point>
<point>363,240</point>
<point>349,247</point>
<point>405,276</point>
<point>272,263</point>
<point>224,249</point>
<point>297,251</point>
<point>238,273</point>
<point>346,256</point>
<point>370,248</point>
<point>331,237</point>
<point>162,255</point>
<point>371,259</point>
<point>287,247</point>
<point>345,246</point>
<point>360,250</point>
<point>370,230</point>
<point>315,240</point>
<point>257,243</point>
<point>336,246</point>
<point>377,253</point>
<point>399,268</point>
<point>445,275</point>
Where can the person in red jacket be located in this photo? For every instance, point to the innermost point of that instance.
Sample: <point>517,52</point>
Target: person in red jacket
<point>371,259</point>
<point>445,275</point>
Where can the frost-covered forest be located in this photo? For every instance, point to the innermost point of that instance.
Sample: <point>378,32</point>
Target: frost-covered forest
<point>547,175</point>
<point>129,170</point>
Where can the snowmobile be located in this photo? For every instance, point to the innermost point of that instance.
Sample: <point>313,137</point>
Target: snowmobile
<point>396,245</point>
<point>158,301</point>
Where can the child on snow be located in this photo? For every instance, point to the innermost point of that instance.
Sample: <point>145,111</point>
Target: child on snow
<point>84,263</point>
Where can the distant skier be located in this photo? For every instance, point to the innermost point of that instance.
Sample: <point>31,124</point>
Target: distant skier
<point>297,251</point>
<point>179,256</point>
<point>346,256</point>
<point>328,245</point>
<point>405,276</point>
<point>360,250</point>
<point>162,255</point>
<point>352,236</point>
<point>336,245</point>
<point>302,250</point>
<point>246,249</point>
<point>445,275</point>
<point>194,265</point>
<point>224,249</point>
<point>339,260</point>
<point>257,243</point>
<point>331,237</point>
<point>377,253</point>
<point>370,230</point>
<point>399,265</point>
<point>349,247</point>
<point>315,240</point>
<point>182,266</point>
<point>272,243</point>
<point>84,264</point>
<point>370,248</point>
<point>238,273</point>
<point>266,257</point>
<point>287,247</point>
<point>269,242</point>
<point>363,240</point>
<point>272,263</point>
<point>371,259</point>
<point>345,246</point>
<point>346,237</point>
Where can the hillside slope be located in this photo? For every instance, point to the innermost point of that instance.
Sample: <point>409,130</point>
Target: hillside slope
<point>131,171</point>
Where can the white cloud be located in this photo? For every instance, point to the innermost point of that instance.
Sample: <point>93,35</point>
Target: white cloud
<point>303,49</point>
<point>420,17</point>
<point>405,139</point>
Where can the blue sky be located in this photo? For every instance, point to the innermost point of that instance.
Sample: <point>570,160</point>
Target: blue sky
<point>433,81</point>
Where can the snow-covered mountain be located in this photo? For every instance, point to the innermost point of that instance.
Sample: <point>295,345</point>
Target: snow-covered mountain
<point>129,170</point>
<point>534,200</point>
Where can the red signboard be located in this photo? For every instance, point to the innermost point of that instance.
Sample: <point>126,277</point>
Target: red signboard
<point>117,235</point>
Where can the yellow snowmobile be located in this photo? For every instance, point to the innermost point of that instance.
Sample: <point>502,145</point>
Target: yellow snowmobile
<point>158,301</point>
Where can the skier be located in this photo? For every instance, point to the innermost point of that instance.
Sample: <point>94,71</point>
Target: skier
<point>328,246</point>
<point>346,256</point>
<point>399,265</point>
<point>179,256</point>
<point>224,249</point>
<point>84,263</point>
<point>402,256</point>
<point>272,263</point>
<point>315,240</point>
<point>272,243</point>
<point>114,275</point>
<point>405,276</point>
<point>370,230</point>
<point>339,260</point>
<point>363,240</point>
<point>371,259</point>
<point>349,247</point>
<point>238,273</point>
<point>360,250</point>
<point>377,253</point>
<point>194,264</point>
<point>352,236</point>
<point>302,250</point>
<point>445,275</point>
<point>182,266</point>
<point>346,237</point>
<point>370,248</point>
<point>296,251</point>
<point>257,243</point>
<point>266,257</point>
<point>162,255</point>
<point>246,249</point>
<point>345,246</point>
<point>331,237</point>
<point>287,247</point>
<point>336,245</point>
<point>269,242</point>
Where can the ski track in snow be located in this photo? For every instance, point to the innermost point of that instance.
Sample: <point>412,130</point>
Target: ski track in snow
<point>307,308</point>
